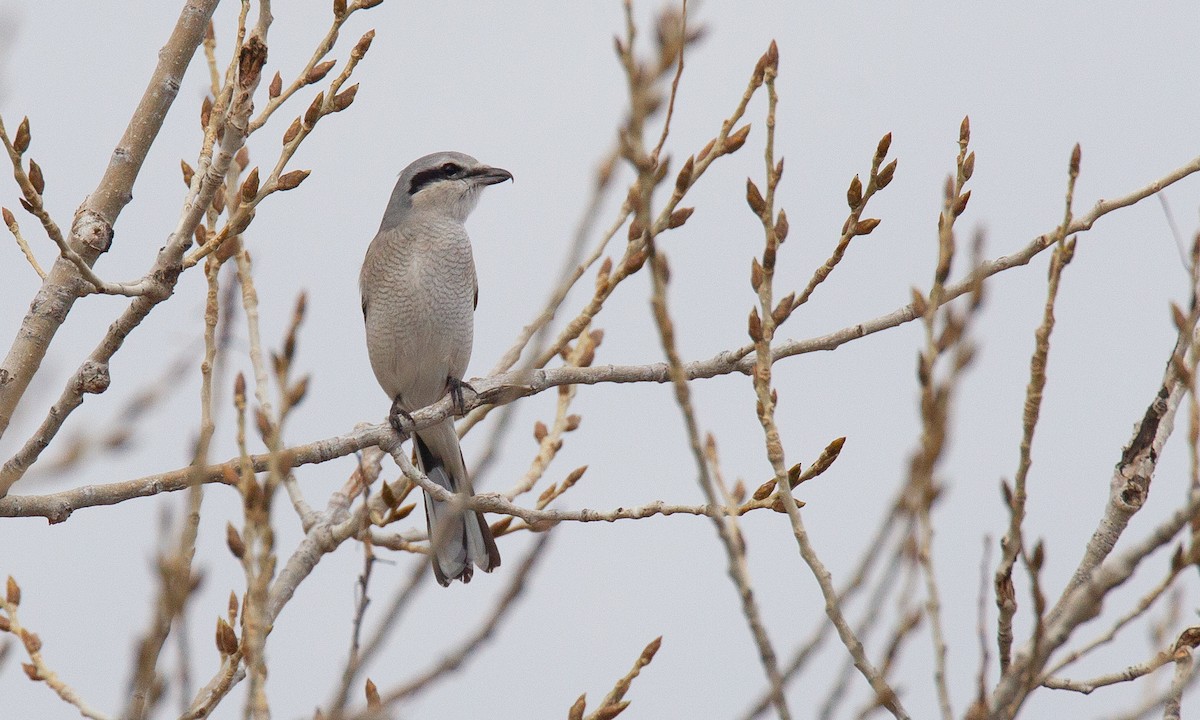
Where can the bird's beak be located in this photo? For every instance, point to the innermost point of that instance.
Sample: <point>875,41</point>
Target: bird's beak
<point>491,175</point>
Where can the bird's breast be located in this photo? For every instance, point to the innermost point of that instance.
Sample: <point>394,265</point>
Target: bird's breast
<point>419,292</point>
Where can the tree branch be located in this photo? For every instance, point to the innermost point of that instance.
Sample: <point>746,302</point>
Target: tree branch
<point>92,231</point>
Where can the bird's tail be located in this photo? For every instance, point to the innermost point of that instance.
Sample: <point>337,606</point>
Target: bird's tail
<point>459,540</point>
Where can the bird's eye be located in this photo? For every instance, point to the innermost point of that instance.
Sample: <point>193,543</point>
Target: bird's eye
<point>450,168</point>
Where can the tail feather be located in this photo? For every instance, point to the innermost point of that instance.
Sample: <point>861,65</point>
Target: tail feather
<point>459,540</point>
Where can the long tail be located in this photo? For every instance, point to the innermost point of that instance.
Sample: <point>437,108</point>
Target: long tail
<point>459,540</point>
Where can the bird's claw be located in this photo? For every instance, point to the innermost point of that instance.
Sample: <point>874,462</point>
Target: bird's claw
<point>455,386</point>
<point>396,414</point>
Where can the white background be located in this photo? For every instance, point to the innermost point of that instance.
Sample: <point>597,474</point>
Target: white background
<point>535,88</point>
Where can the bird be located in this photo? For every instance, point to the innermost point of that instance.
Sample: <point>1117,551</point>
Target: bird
<point>419,293</point>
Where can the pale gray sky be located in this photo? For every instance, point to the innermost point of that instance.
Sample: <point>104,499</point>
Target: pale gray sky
<point>535,88</point>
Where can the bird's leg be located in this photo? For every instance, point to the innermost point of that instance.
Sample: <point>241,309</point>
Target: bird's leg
<point>455,386</point>
<point>394,416</point>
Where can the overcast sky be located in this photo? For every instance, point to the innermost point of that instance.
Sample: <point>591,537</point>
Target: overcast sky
<point>535,88</point>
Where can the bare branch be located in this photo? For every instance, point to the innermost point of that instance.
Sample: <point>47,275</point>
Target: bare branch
<point>91,232</point>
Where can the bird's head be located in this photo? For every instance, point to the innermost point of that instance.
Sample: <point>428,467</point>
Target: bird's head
<point>444,183</point>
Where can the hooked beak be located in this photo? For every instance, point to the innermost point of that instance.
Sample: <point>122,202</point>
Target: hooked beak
<point>490,175</point>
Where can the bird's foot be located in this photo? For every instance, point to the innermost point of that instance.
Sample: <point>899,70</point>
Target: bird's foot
<point>455,386</point>
<point>396,414</point>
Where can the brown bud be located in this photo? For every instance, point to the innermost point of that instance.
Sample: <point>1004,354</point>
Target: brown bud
<point>9,221</point>
<point>32,642</point>
<point>572,423</point>
<point>578,708</point>
<point>5,625</point>
<point>300,309</point>
<point>784,308</point>
<point>205,112</point>
<point>342,100</point>
<point>547,495</point>
<point>603,273</point>
<point>296,393</point>
<point>585,360</point>
<point>881,150</point>
<point>501,526</point>
<point>823,462</point>
<point>707,148</point>
<point>313,113</point>
<point>781,227</point>
<point>21,139</point>
<point>385,492</point>
<point>634,262</point>
<point>234,540</point>
<point>755,198</point>
<point>635,229</point>
<point>250,186</point>
<point>764,491</point>
<point>292,131</point>
<point>864,227</point>
<point>25,204</point>
<point>31,671</point>
<point>201,234</point>
<point>1068,251</point>
<point>364,42</point>
<point>35,177</point>
<point>227,641</point>
<point>239,390</point>
<point>679,217</point>
<point>12,592</point>
<point>778,507</point>
<point>339,9</point>
<point>756,274</point>
<point>960,203</point>
<point>263,423</point>
<point>734,142</point>
<point>276,86</point>
<point>291,180</point>
<point>739,492</point>
<point>218,203</point>
<point>755,325</point>
<point>319,71</point>
<point>919,303</point>
<point>403,512</point>
<point>573,476</point>
<point>964,130</point>
<point>660,171</point>
<point>373,700</point>
<point>1177,314</point>
<point>760,70</point>
<point>772,56</point>
<point>887,173</point>
<point>1076,155</point>
<point>1038,557</point>
<point>684,179</point>
<point>854,193</point>
<point>968,168</point>
<point>540,431</point>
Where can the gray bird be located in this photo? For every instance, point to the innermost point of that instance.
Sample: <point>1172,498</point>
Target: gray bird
<point>418,298</point>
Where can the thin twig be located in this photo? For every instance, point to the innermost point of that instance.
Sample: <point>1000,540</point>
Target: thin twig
<point>92,230</point>
<point>37,669</point>
<point>455,658</point>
